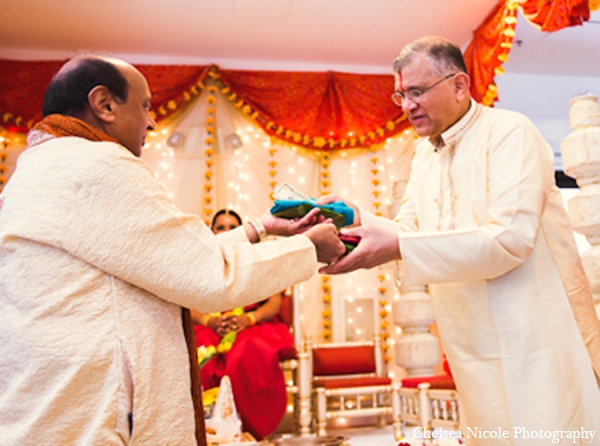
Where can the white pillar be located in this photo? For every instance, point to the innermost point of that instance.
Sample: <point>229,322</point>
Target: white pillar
<point>417,350</point>
<point>581,160</point>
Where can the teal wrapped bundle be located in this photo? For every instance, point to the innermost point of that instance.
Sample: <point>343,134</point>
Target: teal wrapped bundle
<point>341,214</point>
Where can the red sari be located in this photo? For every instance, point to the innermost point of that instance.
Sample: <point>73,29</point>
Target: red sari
<point>252,365</point>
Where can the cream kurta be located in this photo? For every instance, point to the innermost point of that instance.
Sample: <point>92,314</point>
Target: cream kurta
<point>482,223</point>
<point>95,262</point>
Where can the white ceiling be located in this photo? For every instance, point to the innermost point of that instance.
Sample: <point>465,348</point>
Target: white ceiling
<point>342,35</point>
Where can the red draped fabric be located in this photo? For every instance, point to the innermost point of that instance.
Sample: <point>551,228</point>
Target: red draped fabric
<point>173,85</point>
<point>22,87</point>
<point>492,40</point>
<point>323,111</point>
<point>553,15</point>
<point>329,110</point>
<point>481,56</point>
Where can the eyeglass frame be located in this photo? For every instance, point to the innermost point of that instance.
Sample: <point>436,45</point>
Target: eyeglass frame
<point>399,96</point>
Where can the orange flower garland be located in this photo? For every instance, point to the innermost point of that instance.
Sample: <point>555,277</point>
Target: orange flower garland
<point>508,24</point>
<point>326,314</point>
<point>4,143</point>
<point>324,160</point>
<point>233,97</point>
<point>383,317</point>
<point>209,151</point>
<point>382,290</point>
<point>376,182</point>
<point>489,49</point>
<point>272,169</point>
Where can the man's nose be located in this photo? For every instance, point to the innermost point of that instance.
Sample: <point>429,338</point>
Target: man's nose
<point>151,123</point>
<point>408,104</point>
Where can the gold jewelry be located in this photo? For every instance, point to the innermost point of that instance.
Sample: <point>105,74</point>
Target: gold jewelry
<point>259,228</point>
<point>204,319</point>
<point>252,318</point>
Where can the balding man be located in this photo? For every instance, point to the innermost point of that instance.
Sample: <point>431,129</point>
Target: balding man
<point>96,264</point>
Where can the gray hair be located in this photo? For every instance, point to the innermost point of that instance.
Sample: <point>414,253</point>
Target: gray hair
<point>445,57</point>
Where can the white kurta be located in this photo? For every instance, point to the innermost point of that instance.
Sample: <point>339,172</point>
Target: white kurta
<point>95,264</point>
<point>482,224</point>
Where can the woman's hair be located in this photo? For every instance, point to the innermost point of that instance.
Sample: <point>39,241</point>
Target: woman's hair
<point>225,212</point>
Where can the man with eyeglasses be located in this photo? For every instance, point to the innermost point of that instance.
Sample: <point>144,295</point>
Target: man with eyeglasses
<point>483,225</point>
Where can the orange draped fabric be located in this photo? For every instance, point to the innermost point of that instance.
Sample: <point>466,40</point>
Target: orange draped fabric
<point>492,40</point>
<point>553,15</point>
<point>329,110</point>
<point>22,87</point>
<point>481,56</point>
<point>173,85</point>
<point>322,111</point>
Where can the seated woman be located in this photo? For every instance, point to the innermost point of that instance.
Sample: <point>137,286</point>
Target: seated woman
<point>252,364</point>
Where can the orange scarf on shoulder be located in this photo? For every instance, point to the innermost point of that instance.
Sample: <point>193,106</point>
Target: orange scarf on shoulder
<point>57,126</point>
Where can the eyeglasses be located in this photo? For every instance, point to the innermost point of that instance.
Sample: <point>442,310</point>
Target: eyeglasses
<point>415,94</point>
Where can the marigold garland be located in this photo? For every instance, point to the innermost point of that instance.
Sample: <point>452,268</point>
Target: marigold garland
<point>324,161</point>
<point>4,143</point>
<point>509,22</point>
<point>272,163</point>
<point>376,182</point>
<point>383,317</point>
<point>375,171</point>
<point>326,313</point>
<point>210,124</point>
<point>288,136</point>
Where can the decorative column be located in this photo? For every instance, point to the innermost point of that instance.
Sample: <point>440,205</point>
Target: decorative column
<point>417,350</point>
<point>581,160</point>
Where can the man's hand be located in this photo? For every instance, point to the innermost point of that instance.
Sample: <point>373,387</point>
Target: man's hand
<point>286,227</point>
<point>325,238</point>
<point>376,246</point>
<point>331,198</point>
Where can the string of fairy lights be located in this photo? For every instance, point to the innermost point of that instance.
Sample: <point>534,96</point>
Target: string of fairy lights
<point>255,145</point>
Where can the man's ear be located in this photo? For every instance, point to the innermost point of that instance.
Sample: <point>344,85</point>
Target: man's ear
<point>462,85</point>
<point>102,103</point>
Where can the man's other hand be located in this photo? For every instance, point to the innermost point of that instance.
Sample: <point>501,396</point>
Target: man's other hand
<point>286,227</point>
<point>376,246</point>
<point>325,238</point>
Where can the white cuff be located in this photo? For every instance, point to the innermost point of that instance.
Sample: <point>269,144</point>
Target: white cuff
<point>259,228</point>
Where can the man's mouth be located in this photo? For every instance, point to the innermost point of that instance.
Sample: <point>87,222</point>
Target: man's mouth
<point>417,120</point>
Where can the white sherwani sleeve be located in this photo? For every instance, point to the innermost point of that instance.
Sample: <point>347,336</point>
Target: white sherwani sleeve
<point>514,197</point>
<point>135,233</point>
